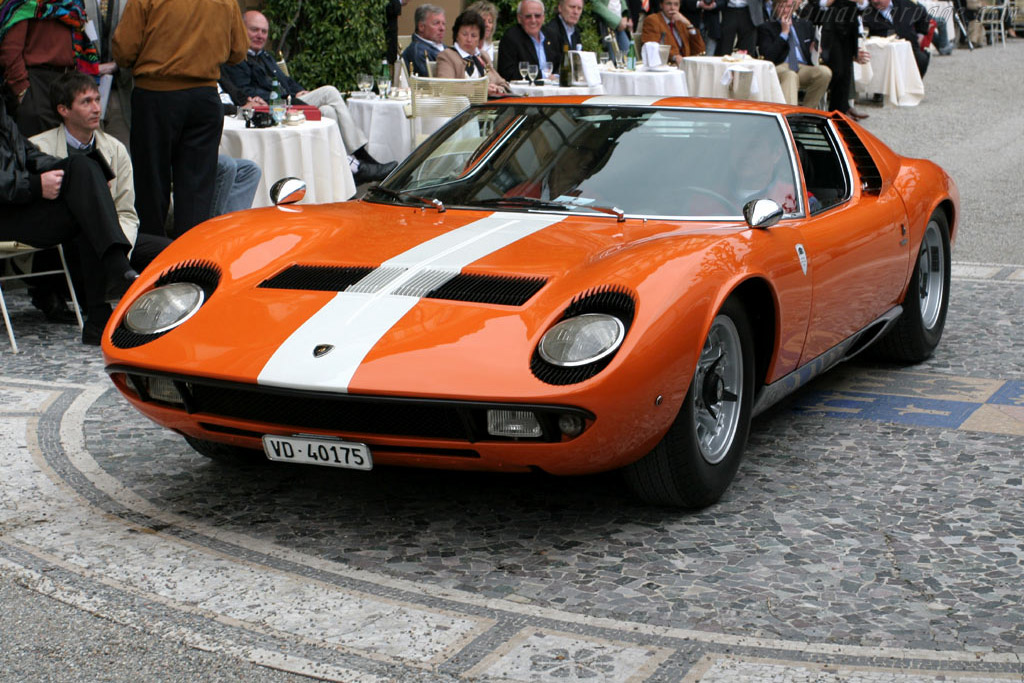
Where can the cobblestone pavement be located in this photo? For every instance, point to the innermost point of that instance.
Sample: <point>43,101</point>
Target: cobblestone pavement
<point>875,532</point>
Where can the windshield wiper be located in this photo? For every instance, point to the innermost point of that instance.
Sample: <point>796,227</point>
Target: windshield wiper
<point>402,194</point>
<point>533,202</point>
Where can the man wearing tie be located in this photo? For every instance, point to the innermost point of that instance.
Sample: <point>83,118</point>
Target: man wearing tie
<point>906,19</point>
<point>787,41</point>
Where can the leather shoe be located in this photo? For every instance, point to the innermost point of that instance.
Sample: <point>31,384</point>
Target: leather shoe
<point>116,289</point>
<point>370,171</point>
<point>53,307</point>
<point>856,115</point>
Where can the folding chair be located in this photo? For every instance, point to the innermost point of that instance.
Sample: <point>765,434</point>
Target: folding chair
<point>10,250</point>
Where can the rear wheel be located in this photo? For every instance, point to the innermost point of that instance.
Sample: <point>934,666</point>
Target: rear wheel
<point>226,453</point>
<point>915,335</point>
<point>693,465</point>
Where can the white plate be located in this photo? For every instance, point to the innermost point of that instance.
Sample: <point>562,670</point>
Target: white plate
<point>317,450</point>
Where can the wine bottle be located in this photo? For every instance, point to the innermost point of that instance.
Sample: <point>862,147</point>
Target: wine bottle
<point>565,69</point>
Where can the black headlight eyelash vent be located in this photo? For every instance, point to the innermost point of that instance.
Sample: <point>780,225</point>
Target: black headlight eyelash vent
<point>612,300</point>
<point>206,274</point>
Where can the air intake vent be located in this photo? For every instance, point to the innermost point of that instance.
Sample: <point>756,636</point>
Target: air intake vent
<point>317,278</point>
<point>870,176</point>
<point>489,289</point>
<point>501,290</point>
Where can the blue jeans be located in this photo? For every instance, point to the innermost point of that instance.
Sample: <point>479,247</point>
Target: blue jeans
<point>235,186</point>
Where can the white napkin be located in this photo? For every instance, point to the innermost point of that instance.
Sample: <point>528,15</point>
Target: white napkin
<point>651,54</point>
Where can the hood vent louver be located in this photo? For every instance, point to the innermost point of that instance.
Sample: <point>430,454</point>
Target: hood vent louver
<point>501,290</point>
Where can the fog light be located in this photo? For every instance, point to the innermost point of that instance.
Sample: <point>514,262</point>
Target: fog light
<point>162,389</point>
<point>514,423</point>
<point>570,425</point>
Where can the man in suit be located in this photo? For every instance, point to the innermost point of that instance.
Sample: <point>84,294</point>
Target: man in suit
<point>839,50</point>
<point>906,19</point>
<point>563,29</point>
<point>740,19</point>
<point>788,42</point>
<point>428,40</point>
<point>525,42</point>
<point>254,77</point>
<point>705,15</point>
<point>672,28</point>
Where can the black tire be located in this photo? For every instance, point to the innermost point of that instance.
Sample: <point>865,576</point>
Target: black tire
<point>226,453</point>
<point>693,465</point>
<point>918,330</point>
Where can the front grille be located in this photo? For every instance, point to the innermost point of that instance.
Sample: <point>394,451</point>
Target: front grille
<point>346,414</point>
<point>333,413</point>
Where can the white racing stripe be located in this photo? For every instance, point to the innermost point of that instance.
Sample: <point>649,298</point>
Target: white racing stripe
<point>355,320</point>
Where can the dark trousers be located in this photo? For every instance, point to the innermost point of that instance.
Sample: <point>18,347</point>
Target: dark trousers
<point>175,135</point>
<point>35,113</point>
<point>838,51</point>
<point>738,27</point>
<point>83,214</point>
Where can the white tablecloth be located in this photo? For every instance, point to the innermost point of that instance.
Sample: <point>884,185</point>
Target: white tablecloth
<point>312,152</point>
<point>668,83</point>
<point>385,125</point>
<point>893,72</point>
<point>527,90</point>
<point>750,79</point>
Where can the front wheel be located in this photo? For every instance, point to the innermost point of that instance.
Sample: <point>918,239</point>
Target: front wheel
<point>916,333</point>
<point>693,465</point>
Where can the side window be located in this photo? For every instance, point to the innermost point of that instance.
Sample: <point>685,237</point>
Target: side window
<point>825,173</point>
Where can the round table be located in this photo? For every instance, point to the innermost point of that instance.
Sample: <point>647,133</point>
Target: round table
<point>386,126</point>
<point>893,72</point>
<point>747,79</point>
<point>664,81</point>
<point>312,151</point>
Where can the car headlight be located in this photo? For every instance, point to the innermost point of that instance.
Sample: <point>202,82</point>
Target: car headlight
<point>582,339</point>
<point>163,308</point>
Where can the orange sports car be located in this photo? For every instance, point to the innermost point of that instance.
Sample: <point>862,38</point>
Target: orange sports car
<point>570,285</point>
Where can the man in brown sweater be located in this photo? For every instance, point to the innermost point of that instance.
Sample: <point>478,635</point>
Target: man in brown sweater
<point>175,49</point>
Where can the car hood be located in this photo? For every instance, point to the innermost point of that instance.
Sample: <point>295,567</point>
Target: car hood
<point>360,297</point>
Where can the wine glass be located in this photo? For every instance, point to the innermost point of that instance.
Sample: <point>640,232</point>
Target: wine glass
<point>545,70</point>
<point>384,86</point>
<point>524,69</point>
<point>531,71</point>
<point>365,82</point>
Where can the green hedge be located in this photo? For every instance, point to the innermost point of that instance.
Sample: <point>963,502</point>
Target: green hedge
<point>331,42</point>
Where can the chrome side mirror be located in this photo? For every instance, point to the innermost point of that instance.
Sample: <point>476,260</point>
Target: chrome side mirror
<point>287,191</point>
<point>762,213</point>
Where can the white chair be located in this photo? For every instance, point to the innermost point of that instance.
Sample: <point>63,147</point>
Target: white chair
<point>435,100</point>
<point>11,250</point>
<point>993,20</point>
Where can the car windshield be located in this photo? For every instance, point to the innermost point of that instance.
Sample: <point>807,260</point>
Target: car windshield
<point>638,160</point>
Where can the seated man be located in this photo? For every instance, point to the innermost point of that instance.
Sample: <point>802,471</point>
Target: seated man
<point>76,100</point>
<point>564,30</point>
<point>670,27</point>
<point>525,42</point>
<point>788,41</point>
<point>904,18</point>
<point>48,201</point>
<point>255,75</point>
<point>428,40</point>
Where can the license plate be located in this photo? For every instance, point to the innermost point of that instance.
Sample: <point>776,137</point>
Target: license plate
<point>311,450</point>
